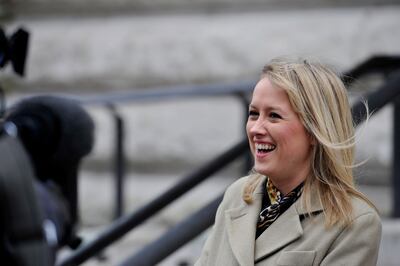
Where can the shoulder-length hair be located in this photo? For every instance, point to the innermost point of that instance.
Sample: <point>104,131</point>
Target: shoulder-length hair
<point>319,97</point>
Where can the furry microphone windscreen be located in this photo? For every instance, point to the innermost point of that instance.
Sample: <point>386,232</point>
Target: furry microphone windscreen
<point>57,132</point>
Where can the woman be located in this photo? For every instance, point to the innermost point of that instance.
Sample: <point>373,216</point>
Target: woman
<point>300,206</point>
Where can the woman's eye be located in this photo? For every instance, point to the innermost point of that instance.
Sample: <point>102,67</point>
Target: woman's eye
<point>253,114</point>
<point>275,115</point>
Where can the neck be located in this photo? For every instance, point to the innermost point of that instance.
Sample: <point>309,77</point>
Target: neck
<point>285,186</point>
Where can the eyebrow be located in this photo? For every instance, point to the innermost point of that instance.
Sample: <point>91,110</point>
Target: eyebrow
<point>277,108</point>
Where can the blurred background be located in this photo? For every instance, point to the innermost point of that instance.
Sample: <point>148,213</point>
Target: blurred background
<point>164,73</point>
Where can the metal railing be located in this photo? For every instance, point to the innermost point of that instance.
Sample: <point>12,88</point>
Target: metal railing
<point>110,100</point>
<point>192,226</point>
<point>124,224</point>
<point>172,240</point>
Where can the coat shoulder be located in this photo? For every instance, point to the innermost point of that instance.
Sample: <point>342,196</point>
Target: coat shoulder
<point>233,197</point>
<point>235,190</point>
<point>362,208</point>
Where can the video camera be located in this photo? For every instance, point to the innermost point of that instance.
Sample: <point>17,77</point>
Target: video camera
<point>42,142</point>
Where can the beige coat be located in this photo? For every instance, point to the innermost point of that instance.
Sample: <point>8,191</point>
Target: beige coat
<point>293,239</point>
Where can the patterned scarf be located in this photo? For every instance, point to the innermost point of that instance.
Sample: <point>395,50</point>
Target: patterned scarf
<point>274,204</point>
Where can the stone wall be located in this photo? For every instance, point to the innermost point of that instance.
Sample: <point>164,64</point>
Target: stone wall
<point>92,7</point>
<point>133,51</point>
<point>130,51</point>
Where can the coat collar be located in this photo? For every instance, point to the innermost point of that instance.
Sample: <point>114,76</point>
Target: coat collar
<point>241,225</point>
<point>241,228</point>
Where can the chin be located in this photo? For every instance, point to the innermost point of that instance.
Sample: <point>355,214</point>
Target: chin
<point>261,170</point>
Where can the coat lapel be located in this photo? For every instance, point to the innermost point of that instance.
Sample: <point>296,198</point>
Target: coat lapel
<point>241,225</point>
<point>241,228</point>
<point>286,229</point>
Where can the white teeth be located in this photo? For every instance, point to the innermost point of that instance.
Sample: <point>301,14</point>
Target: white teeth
<point>264,146</point>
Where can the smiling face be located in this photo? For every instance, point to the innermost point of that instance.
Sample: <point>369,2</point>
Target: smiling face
<point>278,140</point>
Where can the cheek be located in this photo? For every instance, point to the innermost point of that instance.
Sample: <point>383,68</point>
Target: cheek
<point>248,127</point>
<point>249,136</point>
<point>294,136</point>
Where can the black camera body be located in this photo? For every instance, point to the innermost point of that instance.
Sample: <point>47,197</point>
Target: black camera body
<point>14,50</point>
<point>23,241</point>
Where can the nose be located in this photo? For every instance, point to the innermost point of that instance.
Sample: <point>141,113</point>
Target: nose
<point>257,127</point>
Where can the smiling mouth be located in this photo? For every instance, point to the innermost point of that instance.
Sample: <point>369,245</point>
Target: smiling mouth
<point>264,148</point>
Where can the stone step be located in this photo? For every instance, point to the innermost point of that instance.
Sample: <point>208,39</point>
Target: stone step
<point>97,196</point>
<point>134,241</point>
<point>96,210</point>
<point>180,135</point>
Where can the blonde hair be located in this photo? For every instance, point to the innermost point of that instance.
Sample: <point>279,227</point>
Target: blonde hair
<point>319,97</point>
